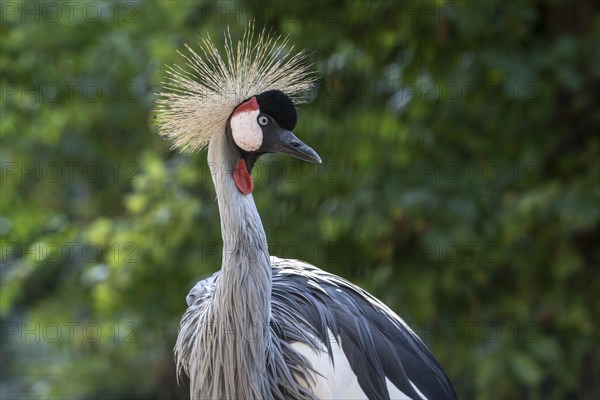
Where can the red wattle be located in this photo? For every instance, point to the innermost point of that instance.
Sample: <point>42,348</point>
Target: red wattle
<point>242,178</point>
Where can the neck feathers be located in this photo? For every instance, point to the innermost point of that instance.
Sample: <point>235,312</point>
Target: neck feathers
<point>235,346</point>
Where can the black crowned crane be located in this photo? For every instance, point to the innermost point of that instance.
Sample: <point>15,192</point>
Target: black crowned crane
<point>264,327</point>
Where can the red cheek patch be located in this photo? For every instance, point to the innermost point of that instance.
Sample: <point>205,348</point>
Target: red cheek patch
<point>250,105</point>
<point>242,178</point>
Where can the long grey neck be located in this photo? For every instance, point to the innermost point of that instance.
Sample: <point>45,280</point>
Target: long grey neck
<point>242,302</point>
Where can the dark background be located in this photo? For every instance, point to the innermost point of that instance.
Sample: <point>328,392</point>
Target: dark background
<point>460,185</point>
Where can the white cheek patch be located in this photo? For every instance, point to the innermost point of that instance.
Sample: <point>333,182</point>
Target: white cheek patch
<point>245,130</point>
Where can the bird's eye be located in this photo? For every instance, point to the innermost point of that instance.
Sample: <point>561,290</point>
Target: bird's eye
<point>263,120</point>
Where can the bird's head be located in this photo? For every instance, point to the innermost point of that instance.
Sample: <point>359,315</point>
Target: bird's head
<point>260,125</point>
<point>247,92</point>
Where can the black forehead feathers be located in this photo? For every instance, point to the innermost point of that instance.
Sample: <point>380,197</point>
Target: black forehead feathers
<point>276,104</point>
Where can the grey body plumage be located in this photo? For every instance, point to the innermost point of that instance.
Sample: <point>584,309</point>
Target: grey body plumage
<point>261,327</point>
<point>307,303</point>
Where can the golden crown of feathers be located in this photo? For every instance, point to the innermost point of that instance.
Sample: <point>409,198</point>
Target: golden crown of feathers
<point>197,101</point>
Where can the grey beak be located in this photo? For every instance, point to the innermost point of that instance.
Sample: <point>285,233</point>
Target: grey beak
<point>286,142</point>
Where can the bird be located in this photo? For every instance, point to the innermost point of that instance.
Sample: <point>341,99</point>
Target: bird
<point>263,327</point>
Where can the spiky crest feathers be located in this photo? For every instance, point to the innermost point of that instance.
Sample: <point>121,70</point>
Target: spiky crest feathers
<point>197,102</point>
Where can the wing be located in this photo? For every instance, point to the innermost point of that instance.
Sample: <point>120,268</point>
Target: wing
<point>378,346</point>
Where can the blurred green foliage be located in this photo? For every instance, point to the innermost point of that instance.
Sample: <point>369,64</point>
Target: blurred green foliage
<point>460,185</point>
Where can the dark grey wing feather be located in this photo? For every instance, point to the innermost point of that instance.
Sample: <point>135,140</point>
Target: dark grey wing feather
<point>376,342</point>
